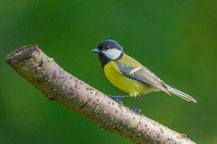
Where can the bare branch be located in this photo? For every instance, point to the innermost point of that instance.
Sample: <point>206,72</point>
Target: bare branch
<point>56,84</point>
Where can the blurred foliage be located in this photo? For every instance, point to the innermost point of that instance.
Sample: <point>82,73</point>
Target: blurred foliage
<point>175,39</point>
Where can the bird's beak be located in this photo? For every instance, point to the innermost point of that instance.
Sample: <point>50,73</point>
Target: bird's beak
<point>96,50</point>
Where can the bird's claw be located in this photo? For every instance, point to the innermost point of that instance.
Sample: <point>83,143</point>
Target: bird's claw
<point>116,99</point>
<point>137,111</point>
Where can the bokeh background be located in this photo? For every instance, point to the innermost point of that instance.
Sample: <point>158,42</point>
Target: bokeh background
<point>175,39</point>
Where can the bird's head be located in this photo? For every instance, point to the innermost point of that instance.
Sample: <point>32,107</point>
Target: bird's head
<point>109,49</point>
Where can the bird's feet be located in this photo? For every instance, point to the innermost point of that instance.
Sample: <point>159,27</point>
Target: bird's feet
<point>137,111</point>
<point>116,99</point>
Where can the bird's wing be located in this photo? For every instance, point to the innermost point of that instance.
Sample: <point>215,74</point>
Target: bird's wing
<point>144,75</point>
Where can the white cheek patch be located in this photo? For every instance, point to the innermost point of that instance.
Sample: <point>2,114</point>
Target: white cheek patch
<point>112,54</point>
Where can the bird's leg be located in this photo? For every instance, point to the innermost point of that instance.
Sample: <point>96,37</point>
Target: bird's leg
<point>134,108</point>
<point>116,98</point>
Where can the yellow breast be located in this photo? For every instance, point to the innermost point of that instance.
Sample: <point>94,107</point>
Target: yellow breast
<point>122,82</point>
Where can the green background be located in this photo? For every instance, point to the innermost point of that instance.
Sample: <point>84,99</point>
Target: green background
<point>176,39</point>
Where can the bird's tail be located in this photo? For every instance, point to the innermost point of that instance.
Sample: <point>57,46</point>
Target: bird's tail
<point>180,94</point>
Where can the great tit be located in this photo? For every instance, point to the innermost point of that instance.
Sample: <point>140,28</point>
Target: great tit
<point>129,75</point>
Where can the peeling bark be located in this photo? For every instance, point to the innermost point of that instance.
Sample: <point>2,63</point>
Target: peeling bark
<point>56,84</point>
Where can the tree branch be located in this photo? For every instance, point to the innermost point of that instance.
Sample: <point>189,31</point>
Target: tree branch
<point>56,84</point>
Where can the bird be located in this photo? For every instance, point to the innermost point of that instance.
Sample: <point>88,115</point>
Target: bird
<point>130,76</point>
